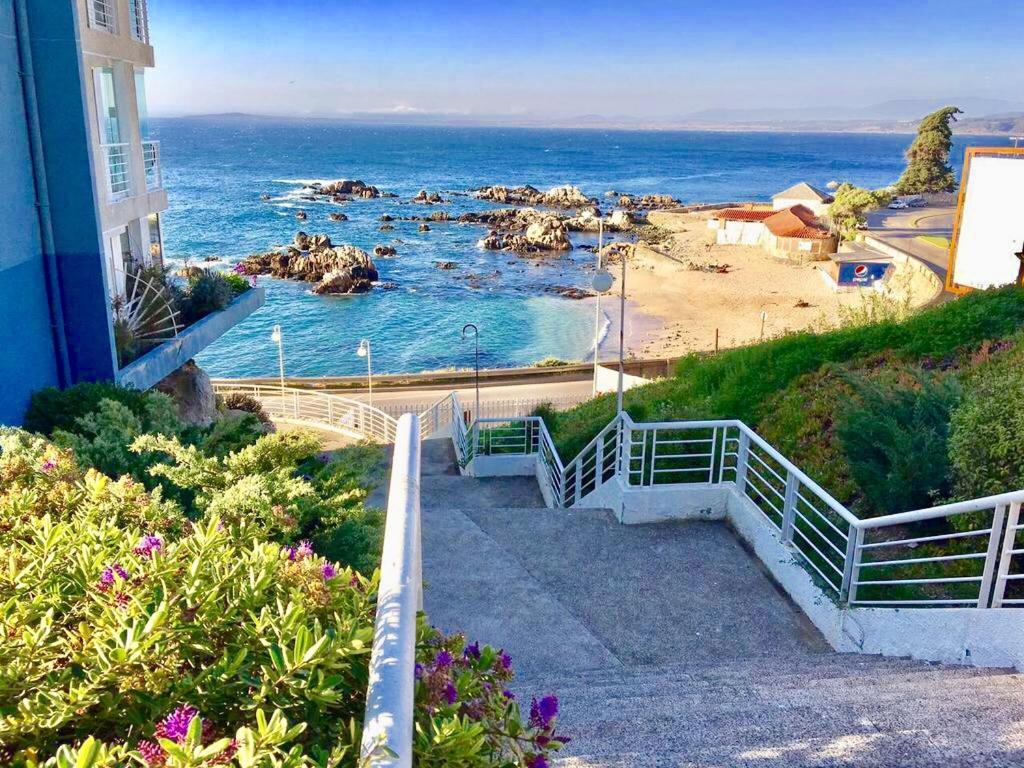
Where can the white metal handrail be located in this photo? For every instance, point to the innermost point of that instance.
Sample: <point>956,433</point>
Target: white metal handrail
<point>319,409</point>
<point>138,12</point>
<point>388,724</point>
<point>151,163</point>
<point>119,181</point>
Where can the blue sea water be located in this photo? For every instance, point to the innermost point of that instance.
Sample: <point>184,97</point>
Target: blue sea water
<point>216,169</point>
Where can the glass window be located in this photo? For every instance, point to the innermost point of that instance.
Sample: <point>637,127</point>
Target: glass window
<point>156,245</point>
<point>106,98</point>
<point>140,99</point>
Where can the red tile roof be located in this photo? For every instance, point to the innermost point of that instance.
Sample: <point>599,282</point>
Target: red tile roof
<point>798,222</point>
<point>744,214</point>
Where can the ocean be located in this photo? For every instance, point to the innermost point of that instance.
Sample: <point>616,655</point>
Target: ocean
<point>216,170</point>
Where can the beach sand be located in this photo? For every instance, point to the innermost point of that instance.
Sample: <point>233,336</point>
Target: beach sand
<point>673,308</point>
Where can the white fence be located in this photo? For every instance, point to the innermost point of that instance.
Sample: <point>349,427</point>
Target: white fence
<point>119,181</point>
<point>151,163</point>
<point>962,555</point>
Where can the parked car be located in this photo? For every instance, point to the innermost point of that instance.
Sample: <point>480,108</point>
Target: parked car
<point>898,204</point>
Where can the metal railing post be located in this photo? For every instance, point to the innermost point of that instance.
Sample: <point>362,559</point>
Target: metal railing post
<point>851,566</point>
<point>991,556</point>
<point>625,452</point>
<point>599,463</point>
<point>1009,544</point>
<point>741,462</point>
<point>789,507</point>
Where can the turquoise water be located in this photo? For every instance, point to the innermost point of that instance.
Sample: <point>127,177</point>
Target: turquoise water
<point>216,169</point>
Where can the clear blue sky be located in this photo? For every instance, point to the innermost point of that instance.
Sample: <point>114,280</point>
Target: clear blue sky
<point>648,59</point>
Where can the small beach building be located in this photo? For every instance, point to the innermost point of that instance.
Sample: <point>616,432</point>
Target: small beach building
<point>794,233</point>
<point>803,194</point>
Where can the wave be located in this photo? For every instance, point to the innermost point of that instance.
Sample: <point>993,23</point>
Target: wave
<point>303,182</point>
<point>606,327</point>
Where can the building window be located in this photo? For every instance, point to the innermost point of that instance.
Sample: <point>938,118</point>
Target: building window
<point>115,154</point>
<point>156,241</point>
<point>138,19</point>
<point>103,15</point>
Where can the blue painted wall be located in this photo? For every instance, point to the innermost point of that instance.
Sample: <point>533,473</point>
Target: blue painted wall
<point>27,359</point>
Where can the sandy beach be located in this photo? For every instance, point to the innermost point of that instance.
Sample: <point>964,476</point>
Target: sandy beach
<point>683,289</point>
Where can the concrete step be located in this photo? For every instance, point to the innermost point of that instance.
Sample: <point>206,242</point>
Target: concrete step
<point>450,491</point>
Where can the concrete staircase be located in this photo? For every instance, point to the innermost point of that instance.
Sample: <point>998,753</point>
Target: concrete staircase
<point>668,645</point>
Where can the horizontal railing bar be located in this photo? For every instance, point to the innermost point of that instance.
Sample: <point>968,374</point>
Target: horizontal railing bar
<point>821,554</point>
<point>879,563</point>
<point>939,537</point>
<point>983,504</point>
<point>767,466</point>
<point>915,602</point>
<point>824,518</point>
<point>840,552</point>
<point>771,487</point>
<point>817,570</point>
<point>942,580</point>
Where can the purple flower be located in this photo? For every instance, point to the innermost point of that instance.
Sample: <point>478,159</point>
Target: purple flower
<point>175,725</point>
<point>543,712</point>
<point>472,651</point>
<point>328,571</point>
<point>418,671</point>
<point>107,577</point>
<point>537,761</point>
<point>504,660</point>
<point>238,269</point>
<point>451,695</point>
<point>152,753</point>
<point>443,660</point>
<point>49,465</point>
<point>305,549</point>
<point>149,546</point>
<point>508,695</point>
<point>121,571</point>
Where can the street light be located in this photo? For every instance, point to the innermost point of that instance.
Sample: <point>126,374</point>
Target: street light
<point>476,336</point>
<point>276,337</point>
<point>1016,140</point>
<point>364,351</point>
<point>602,283</point>
<point>597,301</point>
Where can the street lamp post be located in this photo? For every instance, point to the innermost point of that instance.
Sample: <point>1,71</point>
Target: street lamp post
<point>277,337</point>
<point>1016,140</point>
<point>365,351</point>
<point>622,331</point>
<point>476,337</point>
<point>597,301</point>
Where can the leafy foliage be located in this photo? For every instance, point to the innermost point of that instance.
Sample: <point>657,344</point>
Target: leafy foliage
<point>208,291</point>
<point>928,168</point>
<point>51,408</point>
<point>232,432</point>
<point>239,401</point>
<point>986,443</point>
<point>739,383</point>
<point>895,437</point>
<point>851,203</point>
<point>130,643</point>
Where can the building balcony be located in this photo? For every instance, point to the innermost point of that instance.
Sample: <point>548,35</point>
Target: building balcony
<point>138,20</point>
<point>151,162</point>
<point>117,159</point>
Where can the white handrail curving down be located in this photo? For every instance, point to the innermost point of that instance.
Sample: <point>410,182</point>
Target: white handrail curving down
<point>388,725</point>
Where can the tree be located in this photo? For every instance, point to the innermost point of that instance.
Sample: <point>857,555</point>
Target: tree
<point>928,168</point>
<point>851,204</point>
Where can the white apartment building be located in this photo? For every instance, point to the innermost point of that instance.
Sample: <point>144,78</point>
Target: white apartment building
<point>126,160</point>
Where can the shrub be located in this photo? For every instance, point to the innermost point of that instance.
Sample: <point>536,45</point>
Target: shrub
<point>207,292</point>
<point>231,433</point>
<point>239,401</point>
<point>847,212</point>
<point>125,645</point>
<point>53,408</point>
<point>236,282</point>
<point>101,438</point>
<point>986,444</point>
<point>895,437</point>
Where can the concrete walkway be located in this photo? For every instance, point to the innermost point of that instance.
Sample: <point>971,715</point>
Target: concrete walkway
<point>670,646</point>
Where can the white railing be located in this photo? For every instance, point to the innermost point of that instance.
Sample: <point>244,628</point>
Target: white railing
<point>103,15</point>
<point>119,180</point>
<point>491,408</point>
<point>964,554</point>
<point>317,409</point>
<point>388,724</point>
<point>138,18</point>
<point>151,162</point>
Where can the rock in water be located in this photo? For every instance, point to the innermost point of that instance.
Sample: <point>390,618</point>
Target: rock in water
<point>549,234</point>
<point>337,217</point>
<point>301,216</point>
<point>384,251</point>
<point>424,228</point>
<point>192,391</point>
<point>566,196</point>
<point>314,259</point>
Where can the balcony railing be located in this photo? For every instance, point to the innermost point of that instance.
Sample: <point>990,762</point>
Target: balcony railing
<point>119,183</point>
<point>103,15</point>
<point>138,14</point>
<point>151,162</point>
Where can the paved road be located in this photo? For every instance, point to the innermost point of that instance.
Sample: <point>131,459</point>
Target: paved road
<point>901,229</point>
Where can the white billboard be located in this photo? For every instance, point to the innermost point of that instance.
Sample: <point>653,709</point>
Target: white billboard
<point>988,238</point>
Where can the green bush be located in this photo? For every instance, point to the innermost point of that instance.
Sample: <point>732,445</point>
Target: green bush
<point>130,644</point>
<point>986,444</point>
<point>207,292</point>
<point>739,383</point>
<point>236,282</point>
<point>895,437</point>
<point>53,408</point>
<point>239,401</point>
<point>231,432</point>
<point>101,438</point>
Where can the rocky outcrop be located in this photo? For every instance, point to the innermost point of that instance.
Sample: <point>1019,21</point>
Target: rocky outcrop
<point>549,234</point>
<point>446,264</point>
<point>385,228</point>
<point>314,259</point>
<point>386,217</point>
<point>566,196</point>
<point>423,228</point>
<point>192,391</point>
<point>384,251</point>
<point>614,252</point>
<point>346,187</point>
<point>337,217</point>
<point>570,292</point>
<point>188,272</point>
<point>428,198</point>
<point>439,216</point>
<point>301,215</point>
<point>647,202</point>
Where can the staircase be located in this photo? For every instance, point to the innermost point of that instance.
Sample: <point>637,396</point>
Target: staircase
<point>668,644</point>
